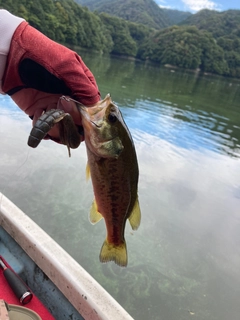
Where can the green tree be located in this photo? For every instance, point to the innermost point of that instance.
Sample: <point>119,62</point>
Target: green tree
<point>123,42</point>
<point>208,40</point>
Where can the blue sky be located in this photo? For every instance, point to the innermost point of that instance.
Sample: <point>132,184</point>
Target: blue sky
<point>196,5</point>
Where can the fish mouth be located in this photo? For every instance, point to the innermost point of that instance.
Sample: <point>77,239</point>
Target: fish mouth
<point>95,124</point>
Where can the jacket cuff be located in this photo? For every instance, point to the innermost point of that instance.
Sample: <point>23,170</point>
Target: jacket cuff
<point>8,25</point>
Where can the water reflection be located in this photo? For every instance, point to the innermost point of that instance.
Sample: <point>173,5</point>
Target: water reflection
<point>184,127</point>
<point>203,108</point>
<point>184,260</point>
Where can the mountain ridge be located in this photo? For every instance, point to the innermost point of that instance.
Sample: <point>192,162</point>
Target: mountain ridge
<point>146,12</point>
<point>218,23</point>
<point>208,41</point>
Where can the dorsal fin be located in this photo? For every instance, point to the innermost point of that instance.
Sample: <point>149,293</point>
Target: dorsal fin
<point>88,172</point>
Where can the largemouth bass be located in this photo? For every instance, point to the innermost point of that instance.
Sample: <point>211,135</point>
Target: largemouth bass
<point>113,167</point>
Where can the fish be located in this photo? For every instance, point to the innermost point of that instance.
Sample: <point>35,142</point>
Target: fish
<point>113,168</point>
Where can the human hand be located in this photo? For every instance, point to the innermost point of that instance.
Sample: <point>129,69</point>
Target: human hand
<point>36,103</point>
<point>40,70</point>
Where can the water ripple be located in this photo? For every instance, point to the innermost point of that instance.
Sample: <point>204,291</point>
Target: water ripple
<point>184,127</point>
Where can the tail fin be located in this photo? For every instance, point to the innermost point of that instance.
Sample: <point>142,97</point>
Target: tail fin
<point>116,253</point>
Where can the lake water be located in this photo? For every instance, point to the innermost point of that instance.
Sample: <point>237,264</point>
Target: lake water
<point>184,261</point>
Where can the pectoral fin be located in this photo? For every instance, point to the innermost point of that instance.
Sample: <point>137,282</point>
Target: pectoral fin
<point>135,217</point>
<point>95,216</point>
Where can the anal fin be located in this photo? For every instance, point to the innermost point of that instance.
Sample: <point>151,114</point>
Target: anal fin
<point>135,216</point>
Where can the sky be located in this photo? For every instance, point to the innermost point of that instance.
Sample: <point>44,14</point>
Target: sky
<point>196,5</point>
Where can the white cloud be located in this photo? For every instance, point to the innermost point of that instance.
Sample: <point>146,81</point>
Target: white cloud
<point>165,7</point>
<point>196,5</point>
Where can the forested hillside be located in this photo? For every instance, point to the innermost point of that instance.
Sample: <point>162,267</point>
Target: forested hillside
<point>211,45</point>
<point>69,23</point>
<point>225,28</point>
<point>63,21</point>
<point>176,16</point>
<point>185,47</point>
<point>220,24</point>
<point>146,12</point>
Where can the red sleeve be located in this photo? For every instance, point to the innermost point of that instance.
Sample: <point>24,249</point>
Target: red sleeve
<point>63,63</point>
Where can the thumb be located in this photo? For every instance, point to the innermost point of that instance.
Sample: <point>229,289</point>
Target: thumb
<point>69,106</point>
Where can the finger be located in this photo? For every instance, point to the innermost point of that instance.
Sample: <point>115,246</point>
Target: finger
<point>35,103</point>
<point>31,101</point>
<point>70,107</point>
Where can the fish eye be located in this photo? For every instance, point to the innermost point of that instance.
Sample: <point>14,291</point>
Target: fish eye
<point>112,118</point>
